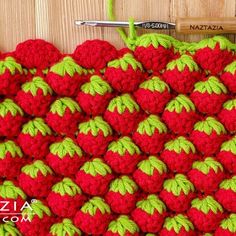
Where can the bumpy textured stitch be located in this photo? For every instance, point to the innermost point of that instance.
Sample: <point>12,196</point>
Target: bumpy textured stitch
<point>129,142</point>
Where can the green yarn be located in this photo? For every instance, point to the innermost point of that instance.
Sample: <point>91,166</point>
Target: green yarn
<point>9,229</point>
<point>126,61</point>
<point>180,144</point>
<point>33,71</point>
<point>9,190</point>
<point>37,208</point>
<point>207,204</point>
<point>229,223</point>
<point>230,104</point>
<point>35,84</point>
<point>67,66</point>
<point>94,126</point>
<point>65,147</point>
<point>11,147</point>
<point>60,105</point>
<point>37,166</point>
<point>207,164</point>
<point>229,146</point>
<point>179,103</point>
<point>150,125</point>
<point>66,187</point>
<point>155,84</point>
<point>35,126</point>
<point>96,86</point>
<point>94,204</point>
<point>65,228</point>
<point>9,106</point>
<point>123,103</point>
<point>123,225</point>
<point>151,164</point>
<point>96,167</point>
<point>209,125</point>
<point>183,62</point>
<point>123,185</point>
<point>177,222</point>
<point>9,63</point>
<point>123,145</point>
<point>211,85</point>
<point>151,204</point>
<point>229,184</point>
<point>178,184</point>
<point>231,68</point>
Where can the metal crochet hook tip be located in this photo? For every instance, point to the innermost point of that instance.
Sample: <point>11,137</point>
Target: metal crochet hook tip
<point>145,24</point>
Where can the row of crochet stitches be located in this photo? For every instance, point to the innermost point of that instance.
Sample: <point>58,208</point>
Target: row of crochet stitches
<point>119,142</point>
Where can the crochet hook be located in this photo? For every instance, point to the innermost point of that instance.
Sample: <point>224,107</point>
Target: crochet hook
<point>188,25</point>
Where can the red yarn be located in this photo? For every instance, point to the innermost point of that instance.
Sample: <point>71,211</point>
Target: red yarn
<point>109,233</point>
<point>65,205</point>
<point>36,187</point>
<point>172,119</point>
<point>93,185</point>
<point>227,198</point>
<point>150,223</point>
<point>179,203</point>
<point>93,105</point>
<point>229,80</point>
<point>225,232</point>
<point>94,54</point>
<point>228,160</point>
<point>208,103</point>
<point>125,164</point>
<point>152,58</point>
<point>152,102</point>
<point>228,118</point>
<point>182,232</point>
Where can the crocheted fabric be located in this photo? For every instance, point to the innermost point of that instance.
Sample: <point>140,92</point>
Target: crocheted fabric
<point>119,142</point>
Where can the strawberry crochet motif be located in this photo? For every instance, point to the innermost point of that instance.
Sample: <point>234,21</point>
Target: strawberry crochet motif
<point>227,226</point>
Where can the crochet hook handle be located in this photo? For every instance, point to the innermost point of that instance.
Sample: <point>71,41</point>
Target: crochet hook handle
<point>206,25</point>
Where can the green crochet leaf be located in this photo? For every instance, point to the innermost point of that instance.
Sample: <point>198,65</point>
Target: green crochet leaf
<point>229,223</point>
<point>9,229</point>
<point>179,103</point>
<point>123,185</point>
<point>210,86</point>
<point>96,86</point>
<point>65,228</point>
<point>9,190</point>
<point>229,184</point>
<point>207,204</point>
<point>10,147</point>
<point>37,166</point>
<point>65,147</point>
<point>209,125</point>
<point>208,164</point>
<point>36,208</point>
<point>94,204</point>
<point>60,105</point>
<point>177,222</point>
<point>183,62</point>
<point>229,146</point>
<point>66,187</point>
<point>67,66</point>
<point>152,163</point>
<point>126,61</point>
<point>9,106</point>
<point>123,145</point>
<point>123,103</point>
<point>230,104</point>
<point>178,184</point>
<point>123,225</point>
<point>155,40</point>
<point>96,167</point>
<point>95,125</point>
<point>180,144</point>
<point>151,204</point>
<point>35,126</point>
<point>36,84</point>
<point>150,125</point>
<point>155,84</point>
<point>9,63</point>
<point>231,68</point>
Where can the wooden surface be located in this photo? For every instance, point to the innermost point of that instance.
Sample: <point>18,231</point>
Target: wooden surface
<point>53,20</point>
